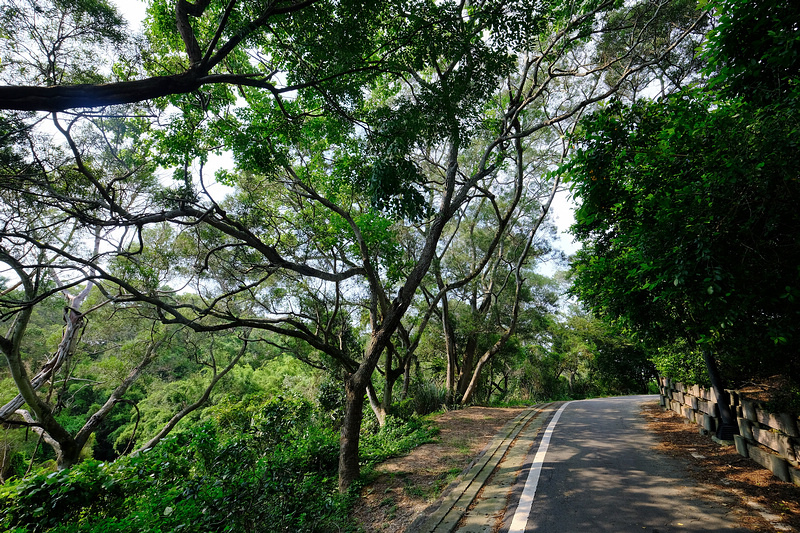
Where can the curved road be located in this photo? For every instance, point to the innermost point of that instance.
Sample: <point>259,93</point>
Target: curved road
<point>600,473</point>
<point>575,467</point>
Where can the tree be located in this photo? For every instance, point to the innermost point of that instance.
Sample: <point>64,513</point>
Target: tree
<point>752,52</point>
<point>410,127</point>
<point>40,412</point>
<point>45,247</point>
<point>209,40</point>
<point>687,215</point>
<point>688,205</point>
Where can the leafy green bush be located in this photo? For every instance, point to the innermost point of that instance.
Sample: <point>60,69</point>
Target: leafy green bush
<point>396,437</point>
<point>254,466</point>
<point>47,499</point>
<point>428,397</point>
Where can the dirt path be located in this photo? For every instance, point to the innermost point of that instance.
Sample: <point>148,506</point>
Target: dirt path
<point>405,486</point>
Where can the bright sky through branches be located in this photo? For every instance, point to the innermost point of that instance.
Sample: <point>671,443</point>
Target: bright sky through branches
<point>561,212</point>
<point>133,11</point>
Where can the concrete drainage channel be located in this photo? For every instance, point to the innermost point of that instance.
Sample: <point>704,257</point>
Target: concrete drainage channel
<point>477,501</point>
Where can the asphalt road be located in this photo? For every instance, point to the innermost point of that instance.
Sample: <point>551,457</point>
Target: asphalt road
<point>600,474</point>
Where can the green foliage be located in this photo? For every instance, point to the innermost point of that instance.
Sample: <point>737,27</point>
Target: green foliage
<point>49,499</point>
<point>754,50</point>
<point>620,365</point>
<point>277,471</point>
<point>682,362</point>
<point>331,400</point>
<point>427,397</point>
<point>395,438</point>
<point>688,209</point>
<point>340,152</point>
<point>688,219</point>
<point>59,42</point>
<point>539,376</point>
<point>249,466</point>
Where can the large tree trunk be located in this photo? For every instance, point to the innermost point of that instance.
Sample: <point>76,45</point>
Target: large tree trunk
<point>356,383</point>
<point>72,329</point>
<point>351,432</point>
<point>68,449</point>
<point>74,321</point>
<point>728,428</point>
<point>45,423</point>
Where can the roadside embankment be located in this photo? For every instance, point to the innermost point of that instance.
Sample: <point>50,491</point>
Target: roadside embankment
<point>770,439</point>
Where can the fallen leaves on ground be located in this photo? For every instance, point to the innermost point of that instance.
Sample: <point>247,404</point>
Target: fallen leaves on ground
<point>403,487</point>
<point>740,483</point>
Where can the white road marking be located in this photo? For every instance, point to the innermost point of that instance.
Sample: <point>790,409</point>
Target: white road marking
<point>526,500</point>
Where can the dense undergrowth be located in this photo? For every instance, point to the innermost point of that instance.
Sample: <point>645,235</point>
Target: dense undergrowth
<point>264,467</point>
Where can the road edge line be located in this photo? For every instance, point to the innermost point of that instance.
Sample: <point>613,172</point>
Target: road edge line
<point>525,504</point>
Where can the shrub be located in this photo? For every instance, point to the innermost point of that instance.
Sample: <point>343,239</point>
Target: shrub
<point>429,397</point>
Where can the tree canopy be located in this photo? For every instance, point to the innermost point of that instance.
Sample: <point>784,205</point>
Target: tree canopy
<point>688,203</point>
<point>363,138</point>
<point>689,213</point>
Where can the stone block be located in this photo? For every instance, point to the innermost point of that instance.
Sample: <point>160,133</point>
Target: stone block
<point>723,442</point>
<point>794,473</point>
<point>749,408</point>
<point>783,422</point>
<point>733,397</point>
<point>778,442</point>
<point>713,396</point>
<point>780,468</point>
<point>708,407</point>
<point>745,428</point>
<point>687,413</point>
<point>693,401</point>
<point>741,445</point>
<point>709,423</point>
<point>758,455</point>
<point>770,461</point>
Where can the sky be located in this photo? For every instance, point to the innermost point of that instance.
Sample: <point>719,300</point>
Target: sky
<point>133,10</point>
<point>562,213</point>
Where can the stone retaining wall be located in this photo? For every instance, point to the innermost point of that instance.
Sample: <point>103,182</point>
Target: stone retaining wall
<point>770,439</point>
